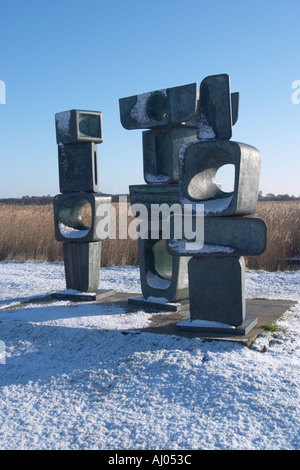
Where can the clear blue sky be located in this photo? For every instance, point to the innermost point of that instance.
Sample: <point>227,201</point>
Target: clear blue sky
<point>58,55</point>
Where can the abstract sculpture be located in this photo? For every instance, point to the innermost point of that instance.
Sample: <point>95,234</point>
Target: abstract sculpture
<point>77,134</point>
<point>188,142</point>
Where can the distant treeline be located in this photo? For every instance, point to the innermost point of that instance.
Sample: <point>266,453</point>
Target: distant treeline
<point>279,197</point>
<point>28,200</point>
<point>44,200</point>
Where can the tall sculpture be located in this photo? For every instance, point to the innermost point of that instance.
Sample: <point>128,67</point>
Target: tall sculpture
<point>167,117</point>
<point>188,141</point>
<point>77,134</point>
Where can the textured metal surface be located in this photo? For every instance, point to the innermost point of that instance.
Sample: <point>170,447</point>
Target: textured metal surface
<point>159,108</point>
<point>82,265</point>
<point>223,236</point>
<point>78,126</point>
<point>215,119</point>
<point>235,102</point>
<point>148,194</point>
<point>217,289</point>
<point>200,163</point>
<point>68,217</point>
<point>78,167</point>
<point>160,153</point>
<point>162,275</point>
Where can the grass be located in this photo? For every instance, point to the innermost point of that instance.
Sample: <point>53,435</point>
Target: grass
<point>276,331</point>
<point>273,327</point>
<point>27,233</point>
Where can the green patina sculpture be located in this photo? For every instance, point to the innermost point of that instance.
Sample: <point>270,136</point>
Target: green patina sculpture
<point>78,133</point>
<point>187,141</point>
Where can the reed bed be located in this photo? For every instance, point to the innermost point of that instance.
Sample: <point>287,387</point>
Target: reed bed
<point>27,233</point>
<point>283,235</point>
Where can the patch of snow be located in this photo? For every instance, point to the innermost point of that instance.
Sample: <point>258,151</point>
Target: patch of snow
<point>156,178</point>
<point>205,324</point>
<point>84,376</point>
<point>74,292</point>
<point>70,232</point>
<point>160,300</point>
<point>205,131</point>
<point>139,110</point>
<point>186,247</point>
<point>211,206</point>
<point>156,281</point>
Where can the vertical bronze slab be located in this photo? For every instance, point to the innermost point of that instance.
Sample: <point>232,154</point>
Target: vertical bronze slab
<point>82,265</point>
<point>217,289</point>
<point>215,121</point>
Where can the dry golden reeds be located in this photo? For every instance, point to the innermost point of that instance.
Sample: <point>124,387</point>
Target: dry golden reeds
<point>283,235</point>
<point>27,233</point>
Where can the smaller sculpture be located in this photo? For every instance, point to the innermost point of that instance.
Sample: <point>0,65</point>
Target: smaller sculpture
<point>77,134</point>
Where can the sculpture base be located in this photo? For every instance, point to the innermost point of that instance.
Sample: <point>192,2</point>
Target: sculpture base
<point>78,296</point>
<point>204,326</point>
<point>159,304</point>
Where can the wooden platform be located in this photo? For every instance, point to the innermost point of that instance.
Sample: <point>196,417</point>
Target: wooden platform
<point>166,322</point>
<point>162,322</point>
<point>264,310</point>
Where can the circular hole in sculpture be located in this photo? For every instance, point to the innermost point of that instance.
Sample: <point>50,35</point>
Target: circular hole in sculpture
<point>212,182</point>
<point>75,217</point>
<point>157,107</point>
<point>202,185</point>
<point>225,178</point>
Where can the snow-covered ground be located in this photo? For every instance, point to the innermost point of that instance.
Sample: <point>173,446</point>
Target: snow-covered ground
<point>79,376</point>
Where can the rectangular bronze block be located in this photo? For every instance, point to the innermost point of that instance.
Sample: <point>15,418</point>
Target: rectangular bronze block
<point>78,167</point>
<point>68,220</point>
<point>78,126</point>
<point>217,289</point>
<point>201,161</point>
<point>223,236</point>
<point>160,153</point>
<point>82,266</point>
<point>171,106</point>
<point>162,275</point>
